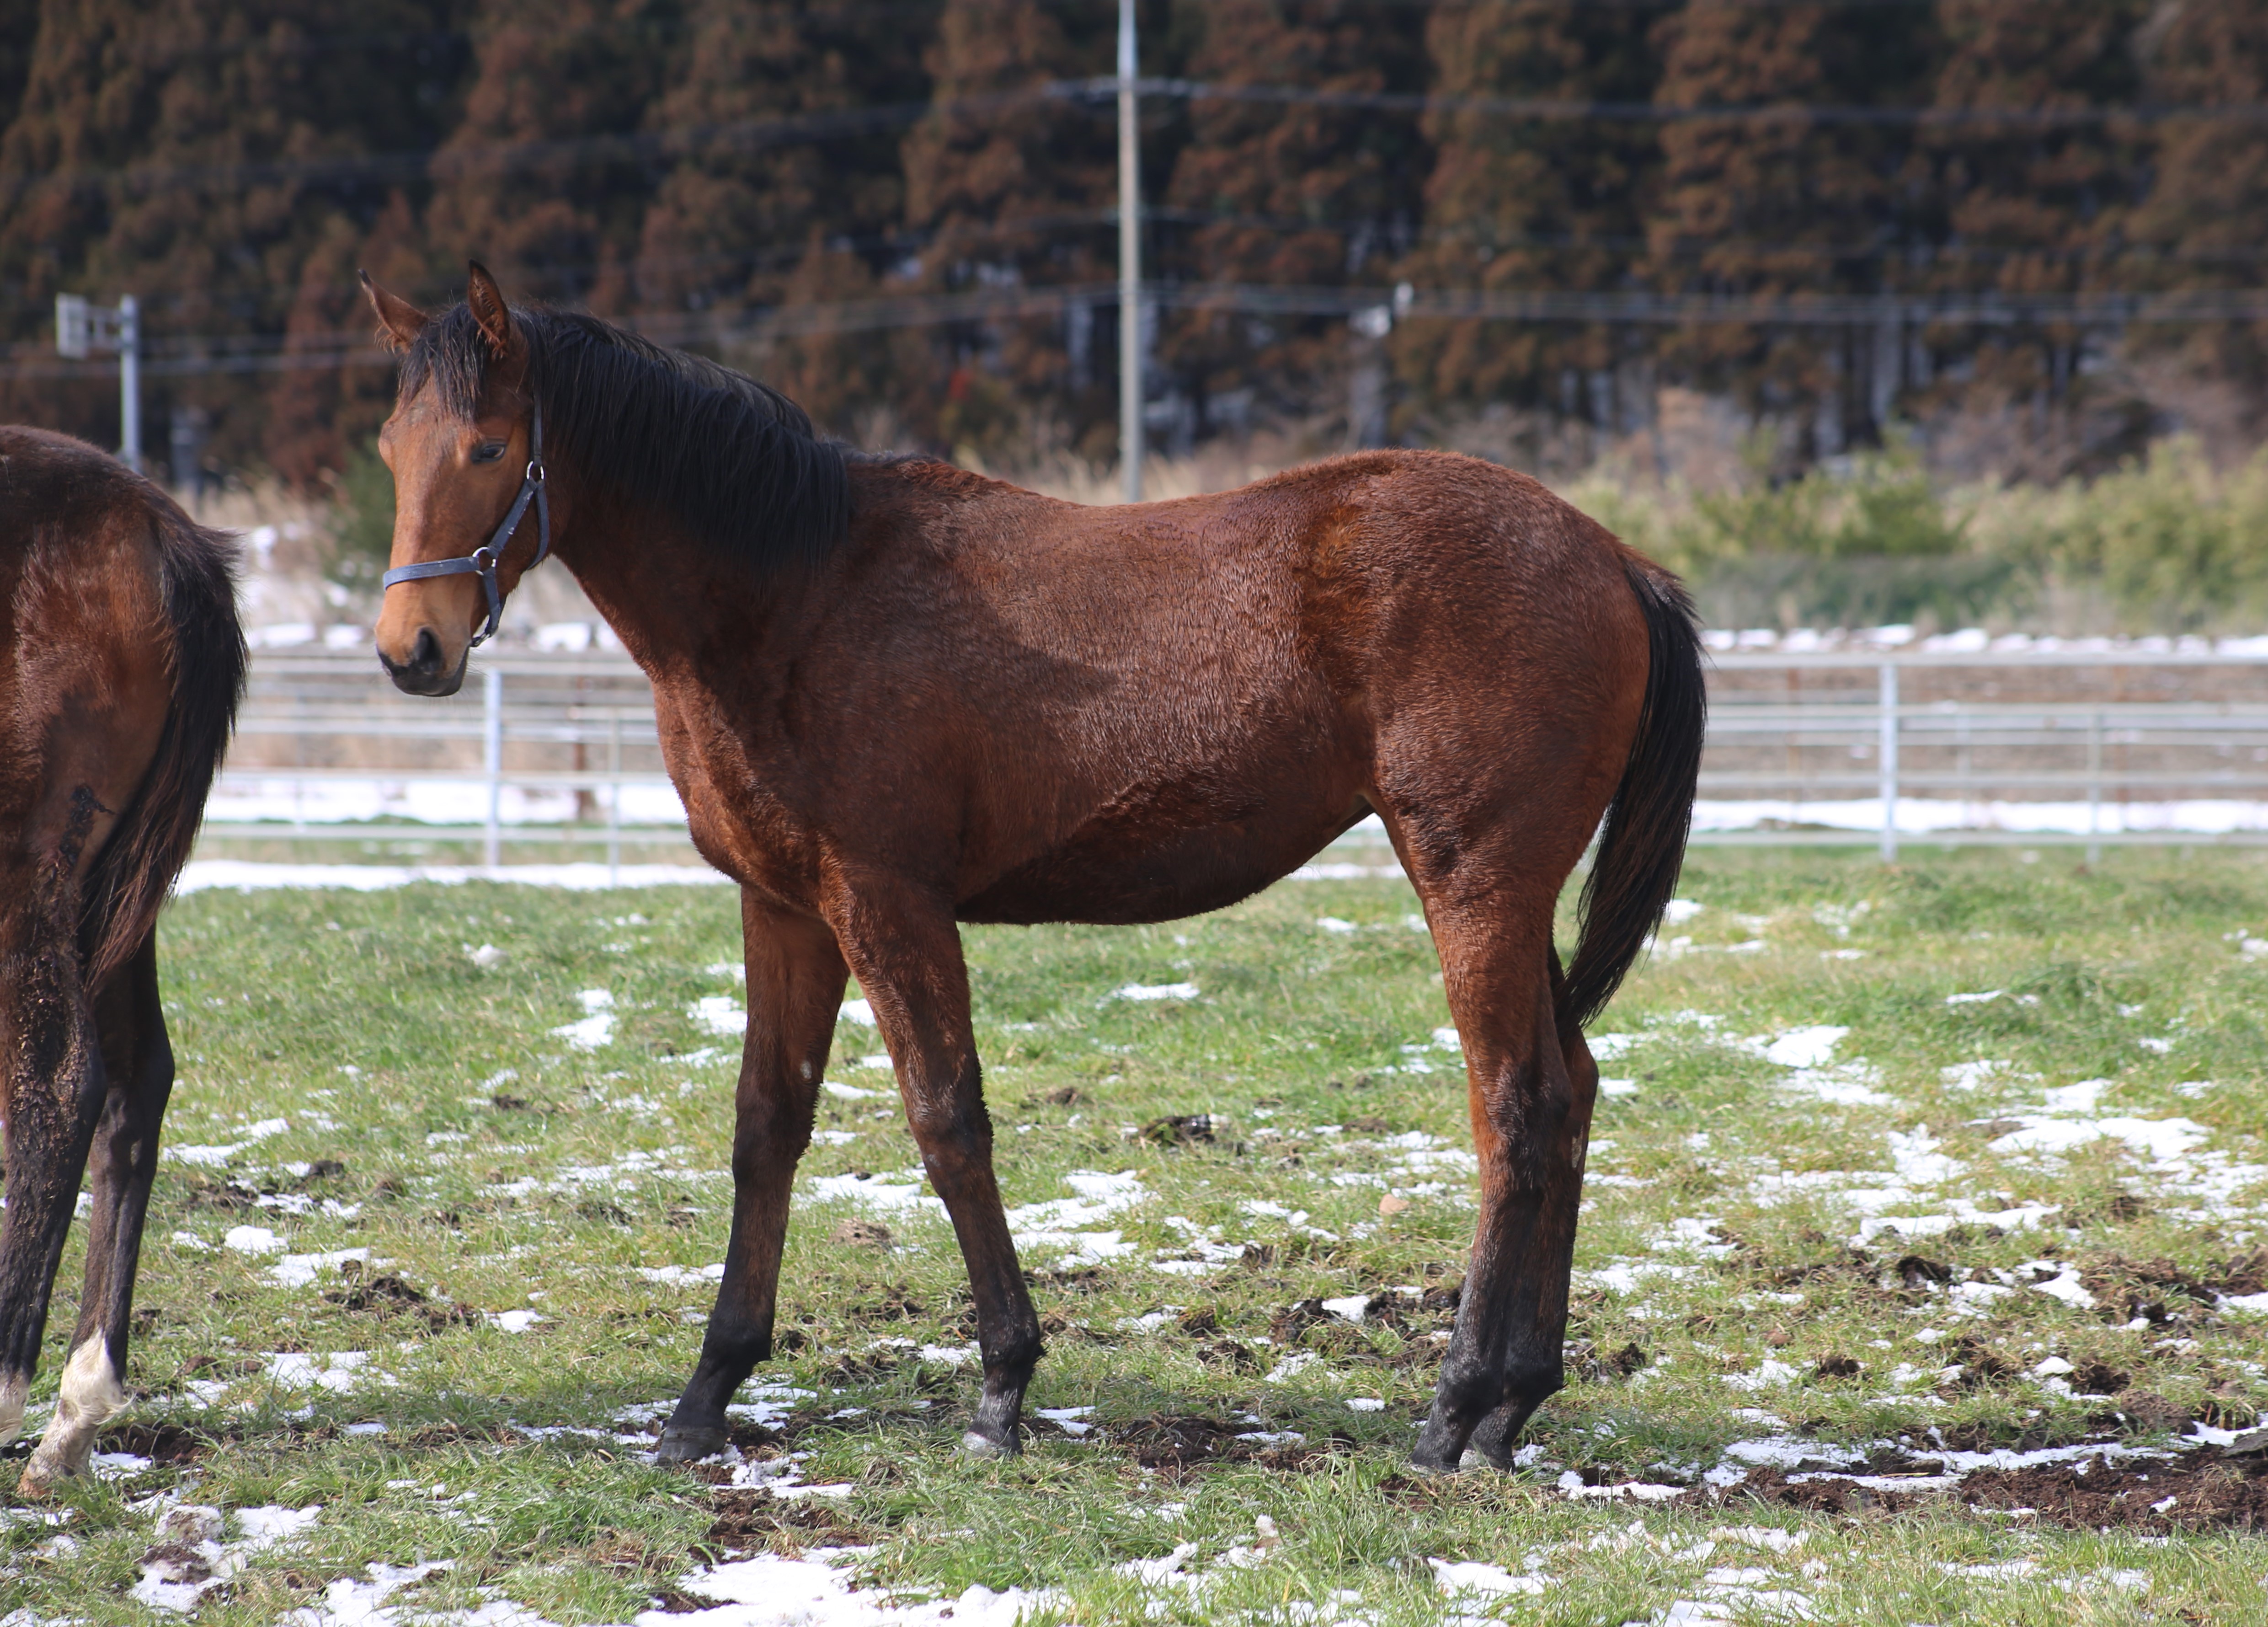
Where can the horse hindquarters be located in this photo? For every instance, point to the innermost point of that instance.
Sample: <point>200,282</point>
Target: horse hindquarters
<point>1489,823</point>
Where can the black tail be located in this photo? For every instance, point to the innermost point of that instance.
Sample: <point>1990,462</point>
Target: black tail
<point>152,841</point>
<point>1643,843</point>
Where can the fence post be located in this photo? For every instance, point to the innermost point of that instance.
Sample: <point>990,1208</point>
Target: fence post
<point>1130,257</point>
<point>615,800</point>
<point>1889,761</point>
<point>492,760</point>
<point>2094,788</point>
<point>129,383</point>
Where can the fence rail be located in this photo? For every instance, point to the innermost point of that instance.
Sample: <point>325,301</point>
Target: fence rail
<point>1843,747</point>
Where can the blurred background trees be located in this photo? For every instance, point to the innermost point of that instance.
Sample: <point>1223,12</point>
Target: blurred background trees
<point>901,211</point>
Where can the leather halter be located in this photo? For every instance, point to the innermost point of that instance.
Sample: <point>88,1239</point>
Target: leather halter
<point>482,561</point>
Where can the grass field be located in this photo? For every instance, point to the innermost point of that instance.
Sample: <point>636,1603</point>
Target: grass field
<point>1900,1168</point>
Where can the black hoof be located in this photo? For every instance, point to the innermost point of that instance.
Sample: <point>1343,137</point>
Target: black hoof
<point>680,1443</point>
<point>1491,1445</point>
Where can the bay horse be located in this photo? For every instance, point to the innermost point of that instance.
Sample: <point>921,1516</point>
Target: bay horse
<point>895,695</point>
<point>121,666</point>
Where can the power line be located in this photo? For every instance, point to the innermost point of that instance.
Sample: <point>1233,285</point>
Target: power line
<point>1549,109</point>
<point>349,349</point>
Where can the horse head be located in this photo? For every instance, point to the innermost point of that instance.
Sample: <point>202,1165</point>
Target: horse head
<point>465,446</point>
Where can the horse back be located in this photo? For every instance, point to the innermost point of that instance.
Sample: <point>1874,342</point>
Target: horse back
<point>1110,714</point>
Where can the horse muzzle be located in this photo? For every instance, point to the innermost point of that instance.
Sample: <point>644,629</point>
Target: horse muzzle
<point>424,673</point>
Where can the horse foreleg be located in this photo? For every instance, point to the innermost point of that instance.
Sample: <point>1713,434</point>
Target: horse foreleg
<point>52,1092</point>
<point>1528,1131</point>
<point>907,957</point>
<point>795,991</point>
<point>139,1061</point>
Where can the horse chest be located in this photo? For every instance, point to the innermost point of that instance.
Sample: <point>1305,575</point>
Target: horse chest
<point>736,824</point>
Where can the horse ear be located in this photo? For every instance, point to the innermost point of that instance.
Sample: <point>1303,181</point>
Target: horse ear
<point>398,321</point>
<point>485,300</point>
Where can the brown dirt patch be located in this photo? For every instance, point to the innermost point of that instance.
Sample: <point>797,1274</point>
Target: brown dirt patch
<point>2201,1491</point>
<point>755,1518</point>
<point>160,1443</point>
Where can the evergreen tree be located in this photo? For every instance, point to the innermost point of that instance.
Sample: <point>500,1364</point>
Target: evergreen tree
<point>1776,202</point>
<point>20,27</point>
<point>2201,224</point>
<point>546,179</point>
<point>1297,193</point>
<point>196,159</point>
<point>1012,187</point>
<point>1528,203</point>
<point>2030,207</point>
<point>748,217</point>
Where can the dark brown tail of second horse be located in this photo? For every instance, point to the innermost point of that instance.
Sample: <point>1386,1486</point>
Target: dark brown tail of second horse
<point>152,841</point>
<point>1643,843</point>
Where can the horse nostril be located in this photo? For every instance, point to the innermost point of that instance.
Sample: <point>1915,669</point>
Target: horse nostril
<point>426,658</point>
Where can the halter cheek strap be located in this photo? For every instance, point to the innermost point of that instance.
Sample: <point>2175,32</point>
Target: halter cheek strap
<point>482,561</point>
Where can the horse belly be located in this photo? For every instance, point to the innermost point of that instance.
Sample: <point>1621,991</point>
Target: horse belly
<point>1107,880</point>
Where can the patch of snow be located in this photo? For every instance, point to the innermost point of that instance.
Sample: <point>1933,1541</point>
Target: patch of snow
<point>1805,1048</point>
<point>245,1137</point>
<point>298,1271</point>
<point>1156,991</point>
<point>718,1014</point>
<point>597,1026</point>
<point>252,1240</point>
<point>902,1195</point>
<point>1471,1576</point>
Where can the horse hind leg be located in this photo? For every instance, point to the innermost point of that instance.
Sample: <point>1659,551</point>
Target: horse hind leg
<point>53,1082</point>
<point>908,957</point>
<point>1531,1127</point>
<point>139,1061</point>
<point>1529,1378</point>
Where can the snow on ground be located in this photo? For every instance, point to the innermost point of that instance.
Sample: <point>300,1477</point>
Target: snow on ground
<point>246,876</point>
<point>1918,816</point>
<point>770,1590</point>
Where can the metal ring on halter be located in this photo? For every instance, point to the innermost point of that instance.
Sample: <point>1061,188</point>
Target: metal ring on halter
<point>482,561</point>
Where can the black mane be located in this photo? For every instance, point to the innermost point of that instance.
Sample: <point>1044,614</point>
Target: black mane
<point>731,458</point>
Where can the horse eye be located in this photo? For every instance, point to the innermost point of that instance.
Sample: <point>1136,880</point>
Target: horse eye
<point>488,452</point>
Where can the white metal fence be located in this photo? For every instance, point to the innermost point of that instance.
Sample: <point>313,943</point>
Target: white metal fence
<point>2123,744</point>
<point>1866,745</point>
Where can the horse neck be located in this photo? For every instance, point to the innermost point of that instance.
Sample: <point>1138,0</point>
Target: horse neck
<point>668,596</point>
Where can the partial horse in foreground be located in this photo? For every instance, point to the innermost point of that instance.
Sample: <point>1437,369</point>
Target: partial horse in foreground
<point>120,665</point>
<point>895,695</point>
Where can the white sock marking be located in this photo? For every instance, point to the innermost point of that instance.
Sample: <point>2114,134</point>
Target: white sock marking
<point>89,1397</point>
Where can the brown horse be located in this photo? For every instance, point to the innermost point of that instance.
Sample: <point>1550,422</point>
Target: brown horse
<point>121,664</point>
<point>895,695</point>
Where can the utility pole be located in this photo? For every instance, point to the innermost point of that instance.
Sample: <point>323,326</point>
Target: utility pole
<point>82,330</point>
<point>1129,259</point>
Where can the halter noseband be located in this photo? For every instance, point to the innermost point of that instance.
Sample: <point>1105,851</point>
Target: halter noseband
<point>482,561</point>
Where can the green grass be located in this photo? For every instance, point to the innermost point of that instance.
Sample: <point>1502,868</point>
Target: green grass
<point>362,1021</point>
